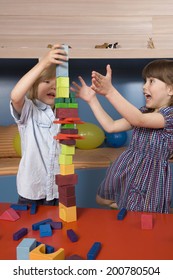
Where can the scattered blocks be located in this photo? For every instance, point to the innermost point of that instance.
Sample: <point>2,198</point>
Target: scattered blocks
<point>37,225</point>
<point>20,233</point>
<point>49,249</point>
<point>9,215</point>
<point>93,252</point>
<point>56,225</point>
<point>33,209</point>
<point>72,235</point>
<point>122,213</point>
<point>45,230</point>
<point>39,253</point>
<point>24,247</point>
<point>74,257</point>
<point>146,221</point>
<point>22,207</point>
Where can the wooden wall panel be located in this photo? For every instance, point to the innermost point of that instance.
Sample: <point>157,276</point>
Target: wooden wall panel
<point>83,24</point>
<point>86,8</point>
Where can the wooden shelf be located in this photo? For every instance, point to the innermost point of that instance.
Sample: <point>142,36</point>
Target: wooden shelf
<point>82,53</point>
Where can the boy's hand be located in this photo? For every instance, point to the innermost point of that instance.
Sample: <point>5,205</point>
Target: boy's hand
<point>102,84</point>
<point>83,91</point>
<point>56,55</point>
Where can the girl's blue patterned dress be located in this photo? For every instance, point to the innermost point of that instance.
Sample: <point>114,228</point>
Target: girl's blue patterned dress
<point>140,179</point>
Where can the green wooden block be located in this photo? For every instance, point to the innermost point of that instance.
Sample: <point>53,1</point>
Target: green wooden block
<point>68,125</point>
<point>61,105</point>
<point>72,105</point>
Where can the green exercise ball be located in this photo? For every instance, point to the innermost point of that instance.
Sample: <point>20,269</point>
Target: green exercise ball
<point>93,136</point>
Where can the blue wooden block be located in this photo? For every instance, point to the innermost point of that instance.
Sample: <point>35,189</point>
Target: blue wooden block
<point>49,249</point>
<point>93,252</point>
<point>122,214</point>
<point>33,209</point>
<point>22,207</point>
<point>45,230</point>
<point>20,233</point>
<point>37,225</point>
<point>62,70</point>
<point>72,235</point>
<point>24,247</point>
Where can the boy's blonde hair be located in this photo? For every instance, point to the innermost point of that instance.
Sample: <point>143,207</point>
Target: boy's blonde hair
<point>47,74</point>
<point>161,70</point>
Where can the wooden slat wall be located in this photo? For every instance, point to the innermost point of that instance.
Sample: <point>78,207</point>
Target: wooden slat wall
<point>84,24</point>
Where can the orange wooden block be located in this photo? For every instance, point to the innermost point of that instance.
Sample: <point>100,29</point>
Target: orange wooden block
<point>68,120</point>
<point>66,169</point>
<point>67,214</point>
<point>39,254</point>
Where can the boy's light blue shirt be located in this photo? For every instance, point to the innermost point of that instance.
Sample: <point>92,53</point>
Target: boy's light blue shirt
<point>39,162</point>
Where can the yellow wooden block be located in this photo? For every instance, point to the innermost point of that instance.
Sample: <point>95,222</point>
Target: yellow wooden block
<point>67,150</point>
<point>66,169</point>
<point>65,159</point>
<point>39,254</point>
<point>62,82</point>
<point>62,92</point>
<point>67,214</point>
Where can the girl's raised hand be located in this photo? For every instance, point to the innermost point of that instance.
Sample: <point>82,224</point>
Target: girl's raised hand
<point>83,91</point>
<point>102,84</point>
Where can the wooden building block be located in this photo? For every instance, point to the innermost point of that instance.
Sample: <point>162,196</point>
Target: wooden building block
<point>62,82</point>
<point>68,190</point>
<point>65,159</point>
<point>9,215</point>
<point>39,254</point>
<point>66,113</point>
<point>24,247</point>
<point>68,201</point>
<point>62,92</point>
<point>67,214</point>
<point>146,221</point>
<point>66,169</point>
<point>67,150</point>
<point>62,180</point>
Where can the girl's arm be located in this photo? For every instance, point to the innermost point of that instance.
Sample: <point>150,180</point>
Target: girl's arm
<point>103,85</point>
<point>87,94</point>
<point>55,56</point>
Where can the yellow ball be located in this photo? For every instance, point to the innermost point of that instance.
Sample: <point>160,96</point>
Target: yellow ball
<point>93,136</point>
<point>17,144</point>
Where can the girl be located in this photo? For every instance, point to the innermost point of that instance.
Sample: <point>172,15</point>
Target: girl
<point>140,179</point>
<point>34,117</point>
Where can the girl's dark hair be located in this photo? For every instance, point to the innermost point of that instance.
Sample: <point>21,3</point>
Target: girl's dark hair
<point>161,69</point>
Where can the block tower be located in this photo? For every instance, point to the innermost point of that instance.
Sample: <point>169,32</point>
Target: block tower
<point>67,115</point>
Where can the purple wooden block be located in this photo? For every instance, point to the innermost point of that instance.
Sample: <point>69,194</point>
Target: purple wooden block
<point>74,257</point>
<point>56,225</point>
<point>72,235</point>
<point>20,233</point>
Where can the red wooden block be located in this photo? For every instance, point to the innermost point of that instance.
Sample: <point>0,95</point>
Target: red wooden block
<point>66,113</point>
<point>68,120</point>
<point>68,201</point>
<point>62,180</point>
<point>146,221</point>
<point>69,131</point>
<point>69,142</point>
<point>66,190</point>
<point>9,215</point>
<point>63,136</point>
